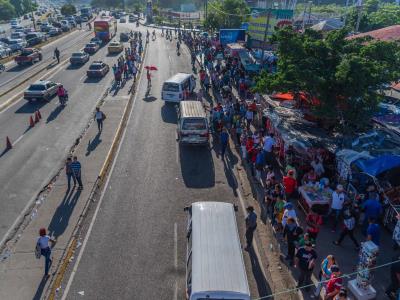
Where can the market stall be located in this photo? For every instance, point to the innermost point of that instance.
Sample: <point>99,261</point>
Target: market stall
<point>315,197</point>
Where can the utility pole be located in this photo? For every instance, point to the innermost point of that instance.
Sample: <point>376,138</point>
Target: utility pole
<point>359,11</point>
<point>345,12</point>
<point>266,33</point>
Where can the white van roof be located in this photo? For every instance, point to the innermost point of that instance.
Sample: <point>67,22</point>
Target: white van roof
<point>217,260</point>
<point>179,77</point>
<point>192,109</point>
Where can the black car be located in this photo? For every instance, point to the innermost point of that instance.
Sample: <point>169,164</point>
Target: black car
<point>123,37</point>
<point>97,69</point>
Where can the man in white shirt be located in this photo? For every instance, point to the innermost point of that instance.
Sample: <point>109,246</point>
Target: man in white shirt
<point>338,198</point>
<point>99,116</point>
<point>268,148</point>
<point>318,167</point>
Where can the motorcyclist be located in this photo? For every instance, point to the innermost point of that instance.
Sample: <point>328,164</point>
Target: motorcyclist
<point>62,94</point>
<point>57,55</point>
<point>147,36</point>
<point>154,34</point>
<point>178,46</point>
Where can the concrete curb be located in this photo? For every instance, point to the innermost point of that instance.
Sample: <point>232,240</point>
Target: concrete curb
<point>98,184</point>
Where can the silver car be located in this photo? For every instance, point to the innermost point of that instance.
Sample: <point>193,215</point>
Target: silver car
<point>41,90</point>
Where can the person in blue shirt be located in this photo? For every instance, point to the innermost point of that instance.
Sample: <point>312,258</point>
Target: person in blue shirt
<point>224,138</point>
<point>372,209</point>
<point>373,232</point>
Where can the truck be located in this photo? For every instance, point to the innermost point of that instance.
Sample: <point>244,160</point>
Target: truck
<point>28,56</point>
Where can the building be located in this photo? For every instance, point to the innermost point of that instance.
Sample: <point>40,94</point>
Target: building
<point>388,34</point>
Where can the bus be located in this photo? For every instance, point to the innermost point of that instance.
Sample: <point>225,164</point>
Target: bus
<point>86,12</point>
<point>105,28</point>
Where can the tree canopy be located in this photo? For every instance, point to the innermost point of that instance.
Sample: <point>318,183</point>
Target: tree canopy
<point>375,16</point>
<point>7,11</point>
<point>346,76</point>
<point>226,14</point>
<point>68,9</point>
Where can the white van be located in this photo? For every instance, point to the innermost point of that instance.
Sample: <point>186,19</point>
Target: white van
<point>214,262</point>
<point>193,125</point>
<point>174,88</point>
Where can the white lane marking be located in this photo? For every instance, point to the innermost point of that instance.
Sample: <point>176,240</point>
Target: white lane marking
<point>175,291</point>
<point>18,139</point>
<point>176,245</point>
<point>75,269</point>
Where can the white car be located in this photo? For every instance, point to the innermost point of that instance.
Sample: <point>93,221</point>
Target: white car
<point>122,20</point>
<point>16,44</point>
<point>4,51</point>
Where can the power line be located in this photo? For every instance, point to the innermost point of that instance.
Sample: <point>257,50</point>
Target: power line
<point>324,281</point>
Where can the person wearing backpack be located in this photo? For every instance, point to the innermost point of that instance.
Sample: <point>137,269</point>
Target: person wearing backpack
<point>43,248</point>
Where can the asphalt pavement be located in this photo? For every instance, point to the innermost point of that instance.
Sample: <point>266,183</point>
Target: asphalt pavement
<point>136,248</point>
<point>38,152</point>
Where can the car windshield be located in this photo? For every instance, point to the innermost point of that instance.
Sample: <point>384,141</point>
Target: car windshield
<point>171,87</point>
<point>194,124</point>
<point>37,87</point>
<point>26,52</point>
<point>77,54</point>
<point>114,44</point>
<point>95,67</point>
<point>90,45</point>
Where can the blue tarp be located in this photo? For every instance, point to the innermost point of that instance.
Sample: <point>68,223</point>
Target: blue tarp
<point>378,165</point>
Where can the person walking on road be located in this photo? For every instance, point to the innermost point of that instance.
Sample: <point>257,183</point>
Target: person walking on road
<point>305,260</point>
<point>334,285</point>
<point>349,223</point>
<point>57,55</point>
<point>76,169</point>
<point>251,225</point>
<point>325,273</point>
<point>224,142</point>
<point>69,173</point>
<point>44,244</point>
<point>100,117</point>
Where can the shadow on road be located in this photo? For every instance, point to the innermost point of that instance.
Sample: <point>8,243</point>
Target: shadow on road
<point>40,289</point>
<point>75,66</point>
<point>30,108</point>
<point>149,99</point>
<point>60,219</point>
<point>228,170</point>
<point>53,115</point>
<point>92,80</point>
<point>18,68</point>
<point>197,167</point>
<point>262,285</point>
<point>168,113</point>
<point>92,145</point>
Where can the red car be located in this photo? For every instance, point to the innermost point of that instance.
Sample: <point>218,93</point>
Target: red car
<point>91,48</point>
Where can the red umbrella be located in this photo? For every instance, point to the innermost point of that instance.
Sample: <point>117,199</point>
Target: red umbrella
<point>151,68</point>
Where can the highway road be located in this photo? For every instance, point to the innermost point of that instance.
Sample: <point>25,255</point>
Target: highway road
<point>15,74</point>
<point>38,152</point>
<point>136,247</point>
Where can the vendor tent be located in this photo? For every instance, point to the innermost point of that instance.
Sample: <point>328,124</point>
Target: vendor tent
<point>378,165</point>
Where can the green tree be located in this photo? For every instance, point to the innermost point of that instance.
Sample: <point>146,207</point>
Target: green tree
<point>19,9</point>
<point>226,14</point>
<point>346,76</point>
<point>68,9</point>
<point>7,11</point>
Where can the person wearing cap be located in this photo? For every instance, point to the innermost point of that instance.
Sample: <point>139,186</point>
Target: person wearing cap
<point>338,198</point>
<point>334,284</point>
<point>44,243</point>
<point>305,261</point>
<point>290,184</point>
<point>251,225</point>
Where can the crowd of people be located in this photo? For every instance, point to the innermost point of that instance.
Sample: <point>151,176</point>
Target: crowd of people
<point>127,64</point>
<point>240,117</point>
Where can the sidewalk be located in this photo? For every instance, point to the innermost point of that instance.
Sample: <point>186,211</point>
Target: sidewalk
<point>273,244</point>
<point>21,274</point>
